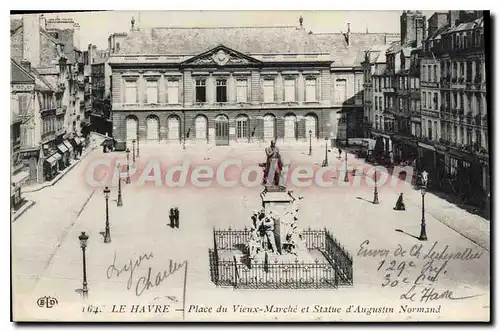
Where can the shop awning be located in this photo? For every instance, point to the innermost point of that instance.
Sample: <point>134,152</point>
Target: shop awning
<point>62,148</point>
<point>20,178</point>
<point>77,140</point>
<point>68,145</point>
<point>53,159</point>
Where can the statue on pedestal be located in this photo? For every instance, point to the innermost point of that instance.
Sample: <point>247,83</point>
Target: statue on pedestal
<point>274,166</point>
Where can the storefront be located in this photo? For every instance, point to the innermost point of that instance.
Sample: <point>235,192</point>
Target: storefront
<point>63,150</point>
<point>71,152</point>
<point>51,166</point>
<point>17,181</point>
<point>78,146</point>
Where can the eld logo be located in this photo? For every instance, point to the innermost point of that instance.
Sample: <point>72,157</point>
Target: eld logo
<point>47,302</point>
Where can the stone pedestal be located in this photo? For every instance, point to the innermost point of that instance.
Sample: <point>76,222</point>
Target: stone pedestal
<point>277,201</point>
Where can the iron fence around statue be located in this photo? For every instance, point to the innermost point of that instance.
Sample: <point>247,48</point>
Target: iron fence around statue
<point>228,270</point>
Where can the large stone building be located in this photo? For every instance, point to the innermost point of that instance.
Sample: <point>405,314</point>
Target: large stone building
<point>237,84</point>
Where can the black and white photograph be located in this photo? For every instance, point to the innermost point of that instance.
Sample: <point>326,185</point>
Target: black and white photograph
<point>250,166</point>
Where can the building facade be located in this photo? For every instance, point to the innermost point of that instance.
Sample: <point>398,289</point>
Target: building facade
<point>48,110</point>
<point>236,85</point>
<point>101,90</point>
<point>456,130</point>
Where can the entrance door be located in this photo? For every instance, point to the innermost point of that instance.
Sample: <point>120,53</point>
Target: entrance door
<point>221,130</point>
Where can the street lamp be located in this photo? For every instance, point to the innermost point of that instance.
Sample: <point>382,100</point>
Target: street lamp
<point>423,189</point>
<point>310,142</point>
<point>325,162</point>
<point>346,178</point>
<point>137,148</point>
<point>375,191</point>
<point>133,150</point>
<point>107,236</point>
<point>119,201</point>
<point>83,244</point>
<point>128,165</point>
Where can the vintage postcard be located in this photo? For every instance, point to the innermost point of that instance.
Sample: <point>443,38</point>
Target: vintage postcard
<point>250,166</point>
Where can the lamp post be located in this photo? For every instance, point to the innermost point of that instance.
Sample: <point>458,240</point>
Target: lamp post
<point>107,236</point>
<point>133,150</point>
<point>375,191</point>
<point>184,130</point>
<point>128,165</point>
<point>423,189</point>
<point>83,244</point>
<point>119,201</point>
<point>325,162</point>
<point>346,177</point>
<point>137,148</point>
<point>310,142</point>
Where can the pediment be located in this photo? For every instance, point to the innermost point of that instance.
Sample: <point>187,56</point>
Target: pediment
<point>221,56</point>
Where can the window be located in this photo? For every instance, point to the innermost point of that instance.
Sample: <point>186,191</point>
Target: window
<point>173,91</point>
<point>130,92</point>
<point>429,74</point>
<point>435,73</point>
<point>269,91</point>
<point>429,128</point>
<point>241,90</point>
<point>311,89</point>
<point>221,91</point>
<point>23,104</point>
<point>358,85</point>
<point>152,92</point>
<point>435,130</point>
<point>201,91</point>
<point>289,90</point>
<point>242,127</point>
<point>436,101</point>
<point>381,103</point>
<point>340,90</point>
<point>424,99</point>
<point>376,104</point>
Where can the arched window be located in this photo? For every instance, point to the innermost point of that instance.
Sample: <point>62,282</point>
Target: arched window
<point>131,128</point>
<point>152,128</point>
<point>200,125</point>
<point>311,125</point>
<point>173,125</point>
<point>242,125</point>
<point>290,126</point>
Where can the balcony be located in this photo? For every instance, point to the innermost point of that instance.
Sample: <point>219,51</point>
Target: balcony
<point>61,109</point>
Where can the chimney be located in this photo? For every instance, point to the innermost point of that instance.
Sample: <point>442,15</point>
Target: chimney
<point>348,34</point>
<point>453,16</point>
<point>301,21</point>
<point>76,36</point>
<point>43,22</point>
<point>31,39</point>
<point>26,65</point>
<point>132,23</point>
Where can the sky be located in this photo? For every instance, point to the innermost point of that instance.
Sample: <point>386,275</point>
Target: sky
<point>95,27</point>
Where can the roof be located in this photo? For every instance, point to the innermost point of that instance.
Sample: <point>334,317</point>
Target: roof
<point>192,41</point>
<point>18,74</point>
<point>101,56</point>
<point>478,23</point>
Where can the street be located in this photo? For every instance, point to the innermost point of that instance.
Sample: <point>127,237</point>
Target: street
<point>47,259</point>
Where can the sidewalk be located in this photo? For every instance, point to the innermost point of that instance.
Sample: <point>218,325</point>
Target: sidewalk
<point>39,186</point>
<point>471,226</point>
<point>26,206</point>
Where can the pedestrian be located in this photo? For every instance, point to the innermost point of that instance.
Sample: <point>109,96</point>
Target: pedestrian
<point>172,218</point>
<point>176,212</point>
<point>400,205</point>
<point>340,153</point>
